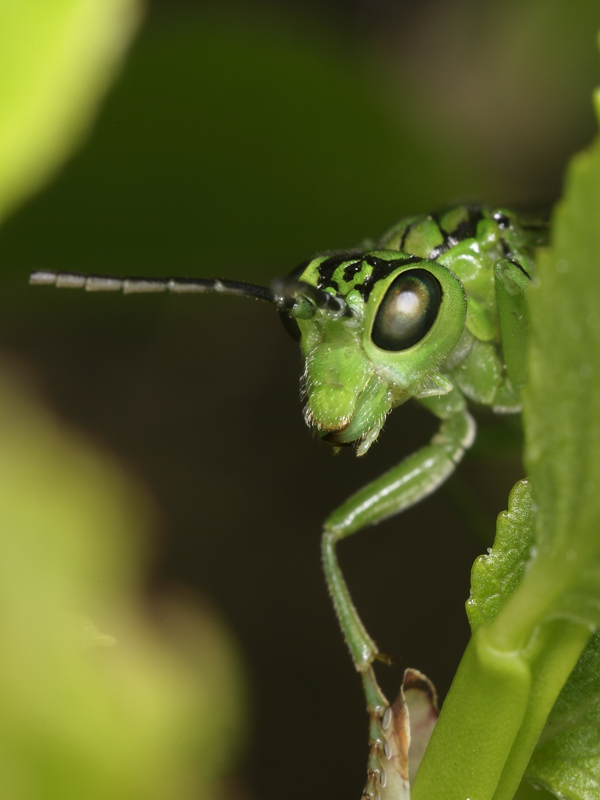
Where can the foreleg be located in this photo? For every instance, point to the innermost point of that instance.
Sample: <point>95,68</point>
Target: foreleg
<point>406,484</point>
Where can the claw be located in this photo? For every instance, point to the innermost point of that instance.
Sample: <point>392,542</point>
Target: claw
<point>391,767</point>
<point>391,661</point>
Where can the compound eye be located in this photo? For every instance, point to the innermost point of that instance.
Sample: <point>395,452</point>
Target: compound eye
<point>407,311</point>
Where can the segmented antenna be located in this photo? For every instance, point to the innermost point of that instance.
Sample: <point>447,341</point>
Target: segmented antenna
<point>104,283</point>
<point>284,293</point>
<point>286,290</point>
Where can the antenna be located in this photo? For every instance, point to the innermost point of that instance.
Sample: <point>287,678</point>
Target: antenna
<point>285,292</point>
<point>106,283</point>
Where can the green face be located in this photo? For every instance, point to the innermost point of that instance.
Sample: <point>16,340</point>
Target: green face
<point>404,315</point>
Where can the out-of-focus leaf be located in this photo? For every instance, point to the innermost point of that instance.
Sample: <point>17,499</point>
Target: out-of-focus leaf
<point>227,148</point>
<point>154,715</point>
<point>57,58</point>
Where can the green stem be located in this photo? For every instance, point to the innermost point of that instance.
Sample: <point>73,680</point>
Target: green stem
<point>557,649</point>
<point>495,712</point>
<point>479,722</point>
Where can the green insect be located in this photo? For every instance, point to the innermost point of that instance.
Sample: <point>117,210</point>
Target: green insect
<point>436,310</point>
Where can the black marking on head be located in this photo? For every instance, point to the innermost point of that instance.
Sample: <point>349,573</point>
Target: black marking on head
<point>381,268</point>
<point>467,229</point>
<point>328,267</point>
<point>351,270</point>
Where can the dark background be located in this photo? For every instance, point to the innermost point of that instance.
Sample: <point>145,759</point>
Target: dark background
<point>238,141</point>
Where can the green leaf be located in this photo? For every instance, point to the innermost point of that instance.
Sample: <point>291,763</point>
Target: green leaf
<point>567,757</point>
<point>495,576</point>
<point>57,58</point>
<point>562,418</point>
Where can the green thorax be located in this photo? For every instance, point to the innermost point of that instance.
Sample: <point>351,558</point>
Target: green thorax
<point>469,240</point>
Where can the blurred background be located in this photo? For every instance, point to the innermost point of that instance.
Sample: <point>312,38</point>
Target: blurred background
<point>240,139</point>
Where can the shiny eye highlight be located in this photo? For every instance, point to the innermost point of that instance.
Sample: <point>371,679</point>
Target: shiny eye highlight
<point>407,311</point>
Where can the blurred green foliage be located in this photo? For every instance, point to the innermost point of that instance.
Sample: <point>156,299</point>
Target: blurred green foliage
<point>244,140</point>
<point>239,140</point>
<point>56,60</point>
<point>156,714</point>
<point>152,714</point>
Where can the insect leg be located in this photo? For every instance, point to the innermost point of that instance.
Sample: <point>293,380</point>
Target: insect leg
<point>406,484</point>
<point>512,284</point>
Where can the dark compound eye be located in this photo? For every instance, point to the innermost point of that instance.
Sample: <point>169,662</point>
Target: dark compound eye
<point>408,310</point>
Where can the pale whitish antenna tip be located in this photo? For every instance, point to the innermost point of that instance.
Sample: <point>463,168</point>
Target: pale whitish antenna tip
<point>42,278</point>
